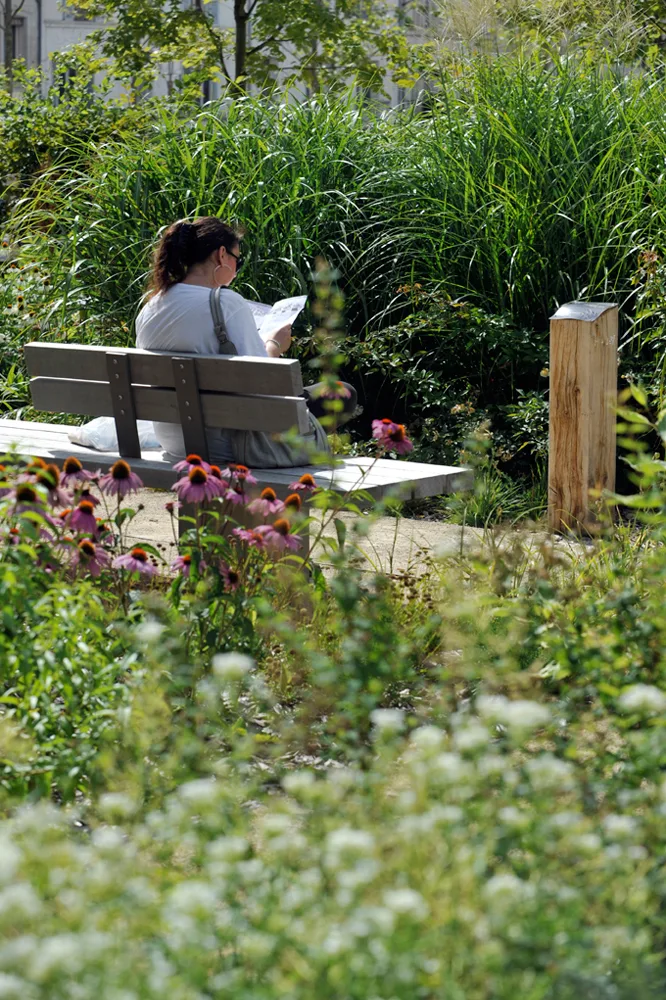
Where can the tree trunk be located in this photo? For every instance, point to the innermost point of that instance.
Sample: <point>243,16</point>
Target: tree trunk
<point>240,18</point>
<point>7,9</point>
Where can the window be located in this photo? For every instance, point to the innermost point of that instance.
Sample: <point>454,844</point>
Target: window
<point>19,39</point>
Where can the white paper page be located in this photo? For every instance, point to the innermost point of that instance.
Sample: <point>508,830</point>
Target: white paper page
<point>284,311</point>
<point>259,310</point>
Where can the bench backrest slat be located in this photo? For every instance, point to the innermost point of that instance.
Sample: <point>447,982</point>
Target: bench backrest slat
<point>274,414</point>
<point>218,373</point>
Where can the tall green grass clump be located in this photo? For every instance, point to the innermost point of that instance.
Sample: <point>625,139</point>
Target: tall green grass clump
<point>525,184</point>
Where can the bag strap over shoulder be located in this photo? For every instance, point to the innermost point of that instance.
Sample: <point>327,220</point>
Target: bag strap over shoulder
<point>226,345</point>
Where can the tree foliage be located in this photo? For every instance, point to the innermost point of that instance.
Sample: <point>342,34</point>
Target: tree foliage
<point>302,41</point>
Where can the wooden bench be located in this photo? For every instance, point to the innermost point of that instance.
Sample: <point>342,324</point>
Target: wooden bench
<point>196,391</point>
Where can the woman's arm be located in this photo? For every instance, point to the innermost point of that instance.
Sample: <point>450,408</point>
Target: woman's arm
<point>278,342</point>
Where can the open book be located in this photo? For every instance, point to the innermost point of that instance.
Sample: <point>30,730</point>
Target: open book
<point>269,319</point>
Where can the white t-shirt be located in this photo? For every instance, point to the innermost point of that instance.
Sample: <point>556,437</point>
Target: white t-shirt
<point>180,320</point>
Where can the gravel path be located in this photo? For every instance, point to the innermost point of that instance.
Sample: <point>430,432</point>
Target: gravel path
<point>393,544</point>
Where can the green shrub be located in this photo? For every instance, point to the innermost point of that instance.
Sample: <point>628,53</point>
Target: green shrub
<point>525,185</point>
<point>443,786</point>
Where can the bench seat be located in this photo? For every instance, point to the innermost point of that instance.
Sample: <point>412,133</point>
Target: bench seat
<point>408,480</point>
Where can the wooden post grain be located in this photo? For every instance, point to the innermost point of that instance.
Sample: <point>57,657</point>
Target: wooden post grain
<point>583,397</point>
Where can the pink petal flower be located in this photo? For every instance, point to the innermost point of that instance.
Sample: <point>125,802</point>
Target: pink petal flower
<point>252,538</point>
<point>230,576</point>
<point>135,561</point>
<point>233,496</point>
<point>191,462</point>
<point>239,474</point>
<point>391,436</point>
<point>197,486</point>
<point>83,518</point>
<point>305,483</point>
<point>183,564</point>
<point>278,536</point>
<point>90,557</point>
<point>265,507</point>
<point>120,480</point>
<point>73,473</point>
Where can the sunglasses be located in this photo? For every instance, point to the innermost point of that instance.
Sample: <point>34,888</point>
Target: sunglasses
<point>240,260</point>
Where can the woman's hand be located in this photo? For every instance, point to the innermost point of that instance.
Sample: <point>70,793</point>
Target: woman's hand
<point>279,341</point>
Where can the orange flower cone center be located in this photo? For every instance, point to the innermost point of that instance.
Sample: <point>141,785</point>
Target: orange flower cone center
<point>72,465</point>
<point>139,554</point>
<point>87,548</point>
<point>26,494</point>
<point>86,507</point>
<point>293,500</point>
<point>120,470</point>
<point>197,476</point>
<point>268,494</point>
<point>307,479</point>
<point>281,526</point>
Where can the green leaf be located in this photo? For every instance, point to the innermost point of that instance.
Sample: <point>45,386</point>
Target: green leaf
<point>341,532</point>
<point>661,425</point>
<point>639,394</point>
<point>633,417</point>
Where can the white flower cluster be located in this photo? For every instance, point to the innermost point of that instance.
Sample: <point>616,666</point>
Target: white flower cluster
<point>645,699</point>
<point>518,715</point>
<point>231,667</point>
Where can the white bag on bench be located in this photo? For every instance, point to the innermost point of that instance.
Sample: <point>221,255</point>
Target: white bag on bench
<point>101,435</point>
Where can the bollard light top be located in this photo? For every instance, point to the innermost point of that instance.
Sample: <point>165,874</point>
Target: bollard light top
<point>586,311</point>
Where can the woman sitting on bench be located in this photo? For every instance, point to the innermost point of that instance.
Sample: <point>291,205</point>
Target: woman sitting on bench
<point>191,259</point>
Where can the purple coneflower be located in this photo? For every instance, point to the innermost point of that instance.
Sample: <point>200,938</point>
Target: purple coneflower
<point>73,472</point>
<point>4,490</point>
<point>267,503</point>
<point>27,498</point>
<point>191,462</point>
<point>216,473</point>
<point>103,528</point>
<point>239,473</point>
<point>391,436</point>
<point>184,565</point>
<point>230,576</point>
<point>83,518</point>
<point>34,465</point>
<point>87,495</point>
<point>136,561</point>
<point>278,535</point>
<point>120,480</point>
<point>305,483</point>
<point>236,496</point>
<point>250,536</point>
<point>293,504</point>
<point>196,486</point>
<point>90,557</point>
<point>50,478</point>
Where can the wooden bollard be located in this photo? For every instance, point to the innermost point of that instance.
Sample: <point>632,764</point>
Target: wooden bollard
<point>583,397</point>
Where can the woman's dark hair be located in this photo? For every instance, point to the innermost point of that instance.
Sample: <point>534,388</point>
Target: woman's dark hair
<point>187,243</point>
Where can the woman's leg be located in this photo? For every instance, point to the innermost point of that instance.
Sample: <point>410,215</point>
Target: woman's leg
<point>318,396</point>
